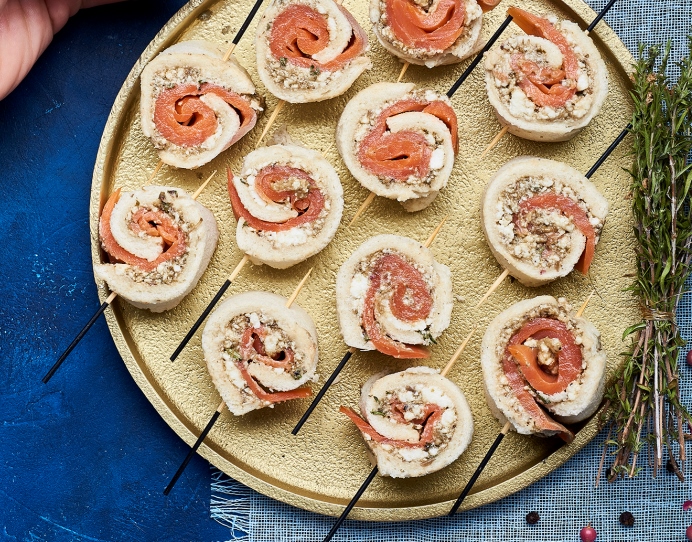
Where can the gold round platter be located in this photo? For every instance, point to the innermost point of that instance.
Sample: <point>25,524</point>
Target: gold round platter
<point>321,468</point>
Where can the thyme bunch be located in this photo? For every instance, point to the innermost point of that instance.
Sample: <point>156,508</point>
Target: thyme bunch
<point>643,404</point>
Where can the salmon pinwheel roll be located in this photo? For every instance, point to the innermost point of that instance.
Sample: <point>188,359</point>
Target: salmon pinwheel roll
<point>429,33</point>
<point>259,352</point>
<point>194,105</point>
<point>414,423</point>
<point>548,84</point>
<point>542,219</point>
<point>399,142</point>
<point>159,241</point>
<point>539,360</point>
<point>392,296</point>
<point>309,51</point>
<point>288,202</point>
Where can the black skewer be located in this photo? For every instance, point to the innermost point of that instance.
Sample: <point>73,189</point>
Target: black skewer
<point>201,319</point>
<point>480,468</point>
<point>78,338</point>
<point>607,152</point>
<point>322,391</point>
<point>209,308</point>
<point>506,428</point>
<point>479,57</point>
<point>600,15</point>
<point>351,504</point>
<point>247,21</point>
<point>194,448</point>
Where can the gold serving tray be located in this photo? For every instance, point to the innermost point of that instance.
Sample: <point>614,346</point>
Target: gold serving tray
<point>322,467</point>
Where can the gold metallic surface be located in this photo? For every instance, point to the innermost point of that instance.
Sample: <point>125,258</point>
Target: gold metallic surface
<point>322,467</point>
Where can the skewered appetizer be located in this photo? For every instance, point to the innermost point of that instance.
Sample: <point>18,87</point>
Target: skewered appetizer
<point>259,352</point>
<point>546,85</point>
<point>392,296</point>
<point>309,51</point>
<point>429,33</point>
<point>541,219</point>
<point>414,423</point>
<point>194,105</point>
<point>287,201</point>
<point>162,241</point>
<point>399,142</point>
<point>536,357</point>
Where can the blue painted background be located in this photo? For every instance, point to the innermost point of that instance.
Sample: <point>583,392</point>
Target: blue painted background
<point>85,457</point>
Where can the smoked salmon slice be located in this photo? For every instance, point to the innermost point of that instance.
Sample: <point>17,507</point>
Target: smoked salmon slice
<point>570,208</point>
<point>277,397</point>
<point>402,154</point>
<point>154,223</point>
<point>308,207</point>
<point>551,89</point>
<point>520,367</point>
<point>410,301</point>
<point>437,29</point>
<point>299,32</point>
<point>185,120</point>
<point>252,349</point>
<point>569,357</point>
<point>426,436</point>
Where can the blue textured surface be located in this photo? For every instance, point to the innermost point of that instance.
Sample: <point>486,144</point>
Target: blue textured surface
<point>85,457</point>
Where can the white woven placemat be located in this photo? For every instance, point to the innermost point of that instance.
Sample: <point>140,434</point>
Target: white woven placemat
<point>566,499</point>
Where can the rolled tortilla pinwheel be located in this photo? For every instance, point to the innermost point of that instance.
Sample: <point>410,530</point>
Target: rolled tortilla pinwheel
<point>194,105</point>
<point>399,142</point>
<point>259,352</point>
<point>542,219</point>
<point>288,202</point>
<point>414,423</point>
<point>162,240</point>
<point>309,51</point>
<point>546,85</point>
<point>429,33</point>
<point>392,296</point>
<point>536,357</point>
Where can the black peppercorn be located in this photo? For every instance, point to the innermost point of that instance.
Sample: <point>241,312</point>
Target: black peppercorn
<point>627,519</point>
<point>532,518</point>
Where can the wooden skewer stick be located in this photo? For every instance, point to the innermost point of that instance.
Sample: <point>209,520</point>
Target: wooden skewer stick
<point>593,24</point>
<point>347,356</point>
<point>363,206</point>
<point>586,302</point>
<point>222,406</point>
<point>494,286</point>
<point>495,140</point>
<point>156,170</point>
<point>279,106</point>
<point>498,439</point>
<point>402,72</point>
<point>458,353</point>
<point>210,306</point>
<point>100,310</point>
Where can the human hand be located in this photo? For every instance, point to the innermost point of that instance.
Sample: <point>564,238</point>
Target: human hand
<point>26,29</point>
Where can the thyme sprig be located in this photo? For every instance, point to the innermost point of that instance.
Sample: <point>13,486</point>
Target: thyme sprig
<point>644,403</point>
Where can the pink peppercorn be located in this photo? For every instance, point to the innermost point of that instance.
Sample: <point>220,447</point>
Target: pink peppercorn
<point>589,534</point>
<point>688,357</point>
<point>688,533</point>
<point>687,505</point>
